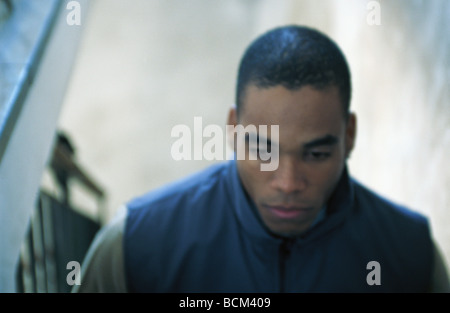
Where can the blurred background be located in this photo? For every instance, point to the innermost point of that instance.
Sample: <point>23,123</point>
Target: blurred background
<point>144,66</point>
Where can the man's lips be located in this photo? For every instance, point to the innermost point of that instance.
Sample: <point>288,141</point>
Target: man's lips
<point>286,211</point>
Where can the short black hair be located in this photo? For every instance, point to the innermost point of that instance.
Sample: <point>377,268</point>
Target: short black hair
<point>294,56</point>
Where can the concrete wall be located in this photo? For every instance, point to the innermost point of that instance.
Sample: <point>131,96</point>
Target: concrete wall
<point>146,66</point>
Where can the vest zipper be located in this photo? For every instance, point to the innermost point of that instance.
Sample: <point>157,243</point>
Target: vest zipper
<point>284,251</point>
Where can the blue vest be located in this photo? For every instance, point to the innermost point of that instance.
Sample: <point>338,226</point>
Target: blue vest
<point>204,234</point>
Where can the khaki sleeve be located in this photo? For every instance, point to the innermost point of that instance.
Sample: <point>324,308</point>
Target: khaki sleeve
<point>440,280</point>
<point>103,267</point>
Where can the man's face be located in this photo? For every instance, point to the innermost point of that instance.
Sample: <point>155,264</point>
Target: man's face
<point>314,141</point>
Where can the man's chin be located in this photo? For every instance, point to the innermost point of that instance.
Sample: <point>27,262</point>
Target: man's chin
<point>289,231</point>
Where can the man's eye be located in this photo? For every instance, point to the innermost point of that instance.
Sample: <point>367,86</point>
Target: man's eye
<point>262,148</point>
<point>317,156</point>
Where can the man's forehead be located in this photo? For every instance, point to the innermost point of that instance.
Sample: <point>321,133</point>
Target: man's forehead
<point>306,112</point>
<point>302,116</point>
<point>281,105</point>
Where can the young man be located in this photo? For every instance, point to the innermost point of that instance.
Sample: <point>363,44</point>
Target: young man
<point>305,226</point>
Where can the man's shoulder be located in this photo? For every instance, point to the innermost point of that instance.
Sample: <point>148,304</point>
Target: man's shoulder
<point>377,205</point>
<point>188,188</point>
<point>156,218</point>
<point>393,233</point>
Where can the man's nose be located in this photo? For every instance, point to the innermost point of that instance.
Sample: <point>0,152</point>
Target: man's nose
<point>289,177</point>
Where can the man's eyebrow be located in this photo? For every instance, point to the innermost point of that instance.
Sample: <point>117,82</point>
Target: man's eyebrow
<point>327,140</point>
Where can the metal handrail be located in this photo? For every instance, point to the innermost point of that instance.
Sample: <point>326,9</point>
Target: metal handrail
<point>11,108</point>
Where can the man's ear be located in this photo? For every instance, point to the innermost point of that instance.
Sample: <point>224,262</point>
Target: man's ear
<point>232,121</point>
<point>350,134</point>
<point>232,116</point>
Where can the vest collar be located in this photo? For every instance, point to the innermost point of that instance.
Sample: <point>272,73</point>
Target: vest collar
<point>337,209</point>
